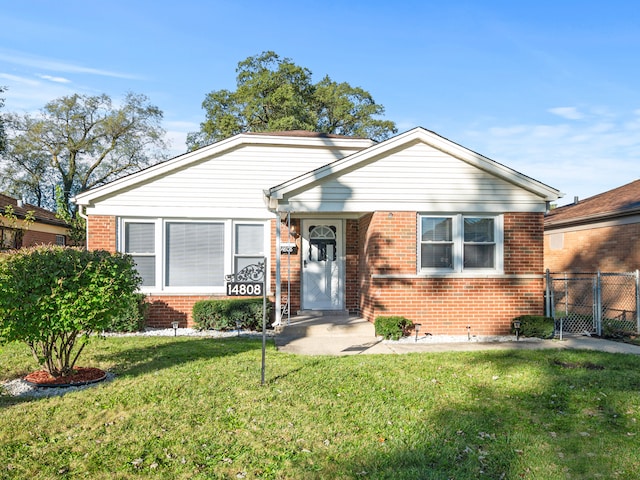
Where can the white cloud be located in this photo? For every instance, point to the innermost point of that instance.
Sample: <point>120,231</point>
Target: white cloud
<point>19,80</point>
<point>580,159</point>
<point>27,60</point>
<point>570,113</point>
<point>55,79</point>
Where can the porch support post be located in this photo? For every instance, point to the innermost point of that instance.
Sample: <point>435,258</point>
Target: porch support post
<point>278,275</point>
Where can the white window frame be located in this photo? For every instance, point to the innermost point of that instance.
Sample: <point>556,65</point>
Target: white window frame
<point>161,250</point>
<point>458,245</point>
<point>122,246</point>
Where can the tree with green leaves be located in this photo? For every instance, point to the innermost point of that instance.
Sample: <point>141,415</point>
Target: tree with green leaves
<point>53,298</point>
<point>79,142</point>
<point>275,94</point>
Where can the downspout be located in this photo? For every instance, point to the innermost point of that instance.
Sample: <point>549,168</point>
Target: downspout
<point>86,226</point>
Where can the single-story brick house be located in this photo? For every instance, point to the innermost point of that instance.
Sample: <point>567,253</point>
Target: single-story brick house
<point>599,233</point>
<point>415,225</point>
<point>46,228</point>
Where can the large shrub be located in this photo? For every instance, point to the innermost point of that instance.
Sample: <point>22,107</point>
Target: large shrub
<point>223,314</point>
<point>392,327</point>
<point>53,298</point>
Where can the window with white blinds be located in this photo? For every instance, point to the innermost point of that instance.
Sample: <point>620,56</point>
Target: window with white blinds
<point>248,245</point>
<point>194,254</point>
<point>179,255</point>
<point>139,242</point>
<point>457,243</point>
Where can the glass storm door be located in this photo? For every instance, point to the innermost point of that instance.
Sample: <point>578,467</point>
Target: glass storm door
<point>321,265</point>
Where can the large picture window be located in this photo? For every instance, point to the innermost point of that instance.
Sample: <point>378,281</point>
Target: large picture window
<point>457,243</point>
<point>195,254</point>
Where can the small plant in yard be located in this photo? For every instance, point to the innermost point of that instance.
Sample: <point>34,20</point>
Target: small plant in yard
<point>392,327</point>
<point>52,298</point>
<point>535,326</point>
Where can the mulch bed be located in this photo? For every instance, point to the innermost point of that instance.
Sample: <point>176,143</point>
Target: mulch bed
<point>81,376</point>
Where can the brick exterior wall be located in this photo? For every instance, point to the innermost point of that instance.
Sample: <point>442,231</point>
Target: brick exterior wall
<point>102,233</point>
<point>384,244</point>
<point>607,249</point>
<point>284,267</point>
<point>165,309</point>
<point>448,305</point>
<point>33,237</point>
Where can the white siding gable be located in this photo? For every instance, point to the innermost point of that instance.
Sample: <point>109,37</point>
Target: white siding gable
<point>416,177</point>
<point>229,184</point>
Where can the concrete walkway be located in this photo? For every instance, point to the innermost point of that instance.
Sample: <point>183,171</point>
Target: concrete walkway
<point>348,335</point>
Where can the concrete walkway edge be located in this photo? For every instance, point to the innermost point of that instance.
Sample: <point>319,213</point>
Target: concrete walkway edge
<point>349,335</point>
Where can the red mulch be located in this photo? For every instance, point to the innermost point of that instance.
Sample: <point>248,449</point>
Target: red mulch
<point>80,376</point>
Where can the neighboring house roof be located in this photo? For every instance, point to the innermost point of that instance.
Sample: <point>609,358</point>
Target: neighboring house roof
<point>619,202</point>
<point>21,209</point>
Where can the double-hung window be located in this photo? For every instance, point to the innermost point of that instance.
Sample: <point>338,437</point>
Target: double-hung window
<point>248,245</point>
<point>460,243</point>
<point>139,242</point>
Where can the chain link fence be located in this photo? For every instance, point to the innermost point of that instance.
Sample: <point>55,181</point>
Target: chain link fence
<point>594,303</point>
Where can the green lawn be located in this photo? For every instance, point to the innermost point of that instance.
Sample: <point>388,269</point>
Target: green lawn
<point>183,408</point>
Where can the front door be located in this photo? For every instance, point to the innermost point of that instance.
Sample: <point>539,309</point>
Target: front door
<point>322,260</point>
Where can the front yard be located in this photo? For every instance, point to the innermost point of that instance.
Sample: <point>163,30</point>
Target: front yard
<point>194,408</point>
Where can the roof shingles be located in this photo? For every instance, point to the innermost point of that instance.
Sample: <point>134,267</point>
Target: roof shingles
<point>624,200</point>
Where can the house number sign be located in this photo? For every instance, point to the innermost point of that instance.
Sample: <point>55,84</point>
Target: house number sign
<point>244,289</point>
<point>248,282</point>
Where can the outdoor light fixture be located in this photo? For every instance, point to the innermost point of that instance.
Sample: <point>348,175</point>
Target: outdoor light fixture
<point>175,328</point>
<point>238,325</point>
<point>417,327</point>
<point>516,327</point>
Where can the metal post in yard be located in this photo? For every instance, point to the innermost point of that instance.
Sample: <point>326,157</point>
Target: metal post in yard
<point>597,318</point>
<point>547,301</point>
<point>638,301</point>
<point>264,320</point>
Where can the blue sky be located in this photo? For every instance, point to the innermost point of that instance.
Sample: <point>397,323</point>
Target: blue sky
<point>549,88</point>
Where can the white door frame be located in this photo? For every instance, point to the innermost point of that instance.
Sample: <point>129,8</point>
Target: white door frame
<point>336,284</point>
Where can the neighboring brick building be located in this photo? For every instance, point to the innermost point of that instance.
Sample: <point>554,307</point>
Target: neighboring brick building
<point>415,225</point>
<point>46,229</point>
<point>600,233</point>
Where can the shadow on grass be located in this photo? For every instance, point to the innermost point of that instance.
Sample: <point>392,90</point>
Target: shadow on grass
<point>137,355</point>
<point>148,355</point>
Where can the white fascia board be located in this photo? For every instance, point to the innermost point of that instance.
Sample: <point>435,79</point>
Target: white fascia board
<point>436,141</point>
<point>194,212</point>
<point>216,149</point>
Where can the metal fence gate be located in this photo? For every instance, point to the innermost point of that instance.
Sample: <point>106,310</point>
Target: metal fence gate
<point>594,302</point>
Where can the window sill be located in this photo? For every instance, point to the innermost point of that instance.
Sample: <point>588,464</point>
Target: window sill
<point>483,274</point>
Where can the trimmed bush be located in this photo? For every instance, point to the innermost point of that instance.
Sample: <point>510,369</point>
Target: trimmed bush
<point>393,327</point>
<point>134,319</point>
<point>52,298</point>
<point>537,326</point>
<point>223,314</point>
